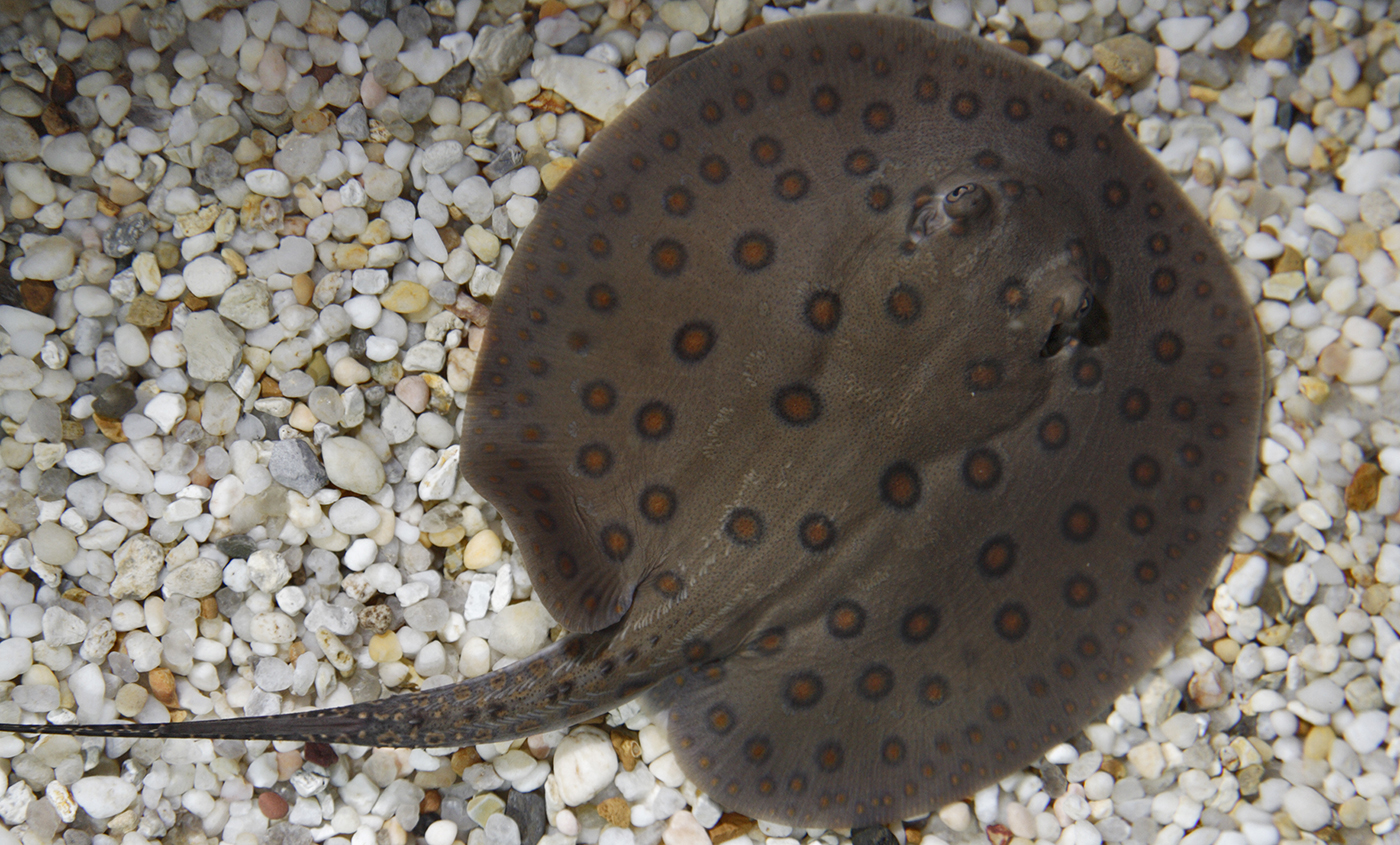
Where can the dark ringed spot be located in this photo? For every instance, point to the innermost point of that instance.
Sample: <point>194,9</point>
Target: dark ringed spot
<point>721,719</point>
<point>598,246</point>
<point>1080,591</point>
<point>926,89</point>
<point>757,749</point>
<point>753,251</point>
<point>919,624</point>
<point>997,709</point>
<point>981,469</point>
<point>860,162</point>
<point>766,151</point>
<point>601,297</point>
<point>845,620</point>
<point>1061,139</point>
<point>1011,621</point>
<point>1016,110</point>
<point>1140,520</point>
<point>1163,281</point>
<point>1183,409</point>
<point>1145,471</point>
<point>566,565</point>
<point>670,140</point>
<point>875,682</point>
<point>997,556</point>
<point>1135,404</point>
<point>933,690</point>
<point>803,690</point>
<point>669,584</point>
<point>1079,523</point>
<point>657,504</point>
<point>693,341</point>
<point>1088,646</point>
<point>1013,296</point>
<point>816,532</point>
<point>667,257</point>
<point>900,486</point>
<point>710,112</point>
<point>778,83</point>
<point>654,420</point>
<point>823,311</point>
<point>965,106</point>
<point>879,198</point>
<point>616,542</point>
<point>825,100</point>
<point>986,160</point>
<point>744,527</point>
<point>1159,244</point>
<point>892,751</point>
<point>791,185</point>
<point>878,118</point>
<point>598,397</point>
<point>743,100</point>
<point>1115,193</point>
<point>903,305</point>
<point>1146,572</point>
<point>1167,347</point>
<point>714,169</point>
<point>1053,431</point>
<point>769,642</point>
<point>594,460</point>
<point>678,201</point>
<point>830,756</point>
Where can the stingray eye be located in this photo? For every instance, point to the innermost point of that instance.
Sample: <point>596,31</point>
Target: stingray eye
<point>1086,302</point>
<point>966,201</point>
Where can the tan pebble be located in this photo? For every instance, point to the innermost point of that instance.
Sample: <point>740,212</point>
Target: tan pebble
<point>1315,389</point>
<point>1375,598</point>
<point>196,222</point>
<point>1275,43</point>
<point>104,26</point>
<point>131,699</point>
<point>234,261</point>
<point>464,758</point>
<point>1274,635</point>
<point>1290,261</point>
<point>1318,743</point>
<point>350,256</point>
<point>1249,778</point>
<point>124,192</point>
<point>447,539</point>
<point>348,371</point>
<point>311,121</point>
<point>616,811</point>
<point>554,172</point>
<point>162,682</point>
<point>1333,359</point>
<point>111,429</point>
<point>147,271</point>
<point>1203,171</point>
<point>104,205</point>
<point>247,152</point>
<point>377,232</point>
<point>1364,487</point>
<point>384,648</point>
<point>1328,153</point>
<point>731,826</point>
<point>379,132</point>
<point>146,311</point>
<point>1359,241</point>
<point>318,369</point>
<point>483,549</point>
<point>301,417</point>
<point>1204,94</point>
<point>1226,649</point>
<point>404,297</point>
<point>302,288</point>
<point>268,388</point>
<point>1358,97</point>
<point>1128,57</point>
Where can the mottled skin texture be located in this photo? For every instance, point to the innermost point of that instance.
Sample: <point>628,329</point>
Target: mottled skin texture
<point>870,396</point>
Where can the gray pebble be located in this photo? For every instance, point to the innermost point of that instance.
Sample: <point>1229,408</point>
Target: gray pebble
<point>18,140</point>
<point>413,22</point>
<point>509,160</point>
<point>415,102</point>
<point>121,239</point>
<point>527,810</point>
<point>353,123</point>
<point>293,464</point>
<point>499,50</point>
<point>217,169</point>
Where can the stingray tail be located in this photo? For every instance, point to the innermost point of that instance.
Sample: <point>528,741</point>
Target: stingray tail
<point>575,679</point>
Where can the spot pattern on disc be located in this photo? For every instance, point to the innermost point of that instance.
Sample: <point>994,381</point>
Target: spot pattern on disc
<point>890,397</point>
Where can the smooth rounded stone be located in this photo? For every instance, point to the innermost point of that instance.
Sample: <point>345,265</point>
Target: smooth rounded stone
<point>18,140</point>
<point>427,616</point>
<point>584,764</point>
<point>268,182</point>
<point>272,627</point>
<point>521,629</point>
<point>20,101</point>
<point>1308,810</point>
<point>30,180</point>
<point>195,578</point>
<point>70,155</point>
<point>219,410</point>
<point>352,465</point>
<point>216,169</point>
<point>295,255</point>
<point>1367,731</point>
<point>683,829</point>
<point>415,102</point>
<point>53,544</point>
<point>441,156</point>
<point>18,373</point>
<point>273,675</point>
<point>1322,695</point>
<point>113,103</point>
<point>207,276</point>
<point>217,352</point>
<point>354,516</point>
<point>427,239</point>
<point>49,259</point>
<point>382,183</point>
<point>103,797</point>
<point>592,87</point>
<point>1182,33</point>
<point>247,304</point>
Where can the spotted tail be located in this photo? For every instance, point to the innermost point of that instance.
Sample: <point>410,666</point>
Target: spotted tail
<point>575,679</point>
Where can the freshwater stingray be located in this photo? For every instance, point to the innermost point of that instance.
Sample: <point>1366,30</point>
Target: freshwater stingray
<point>869,399</point>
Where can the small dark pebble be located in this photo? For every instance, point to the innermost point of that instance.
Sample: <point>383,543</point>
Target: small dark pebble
<point>413,22</point>
<point>53,483</point>
<point>319,753</point>
<point>527,809</point>
<point>507,161</point>
<point>64,86</point>
<point>353,123</point>
<point>372,10</point>
<point>272,805</point>
<point>121,239</point>
<point>414,103</point>
<point>293,464</point>
<point>236,546</point>
<point>456,82</point>
<point>114,400</point>
<point>873,835</point>
<point>576,46</point>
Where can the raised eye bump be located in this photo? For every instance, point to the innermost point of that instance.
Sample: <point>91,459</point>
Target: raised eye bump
<point>966,201</point>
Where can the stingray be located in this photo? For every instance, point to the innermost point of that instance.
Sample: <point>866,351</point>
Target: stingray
<point>867,399</point>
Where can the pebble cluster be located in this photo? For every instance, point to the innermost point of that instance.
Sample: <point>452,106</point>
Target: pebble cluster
<point>248,249</point>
